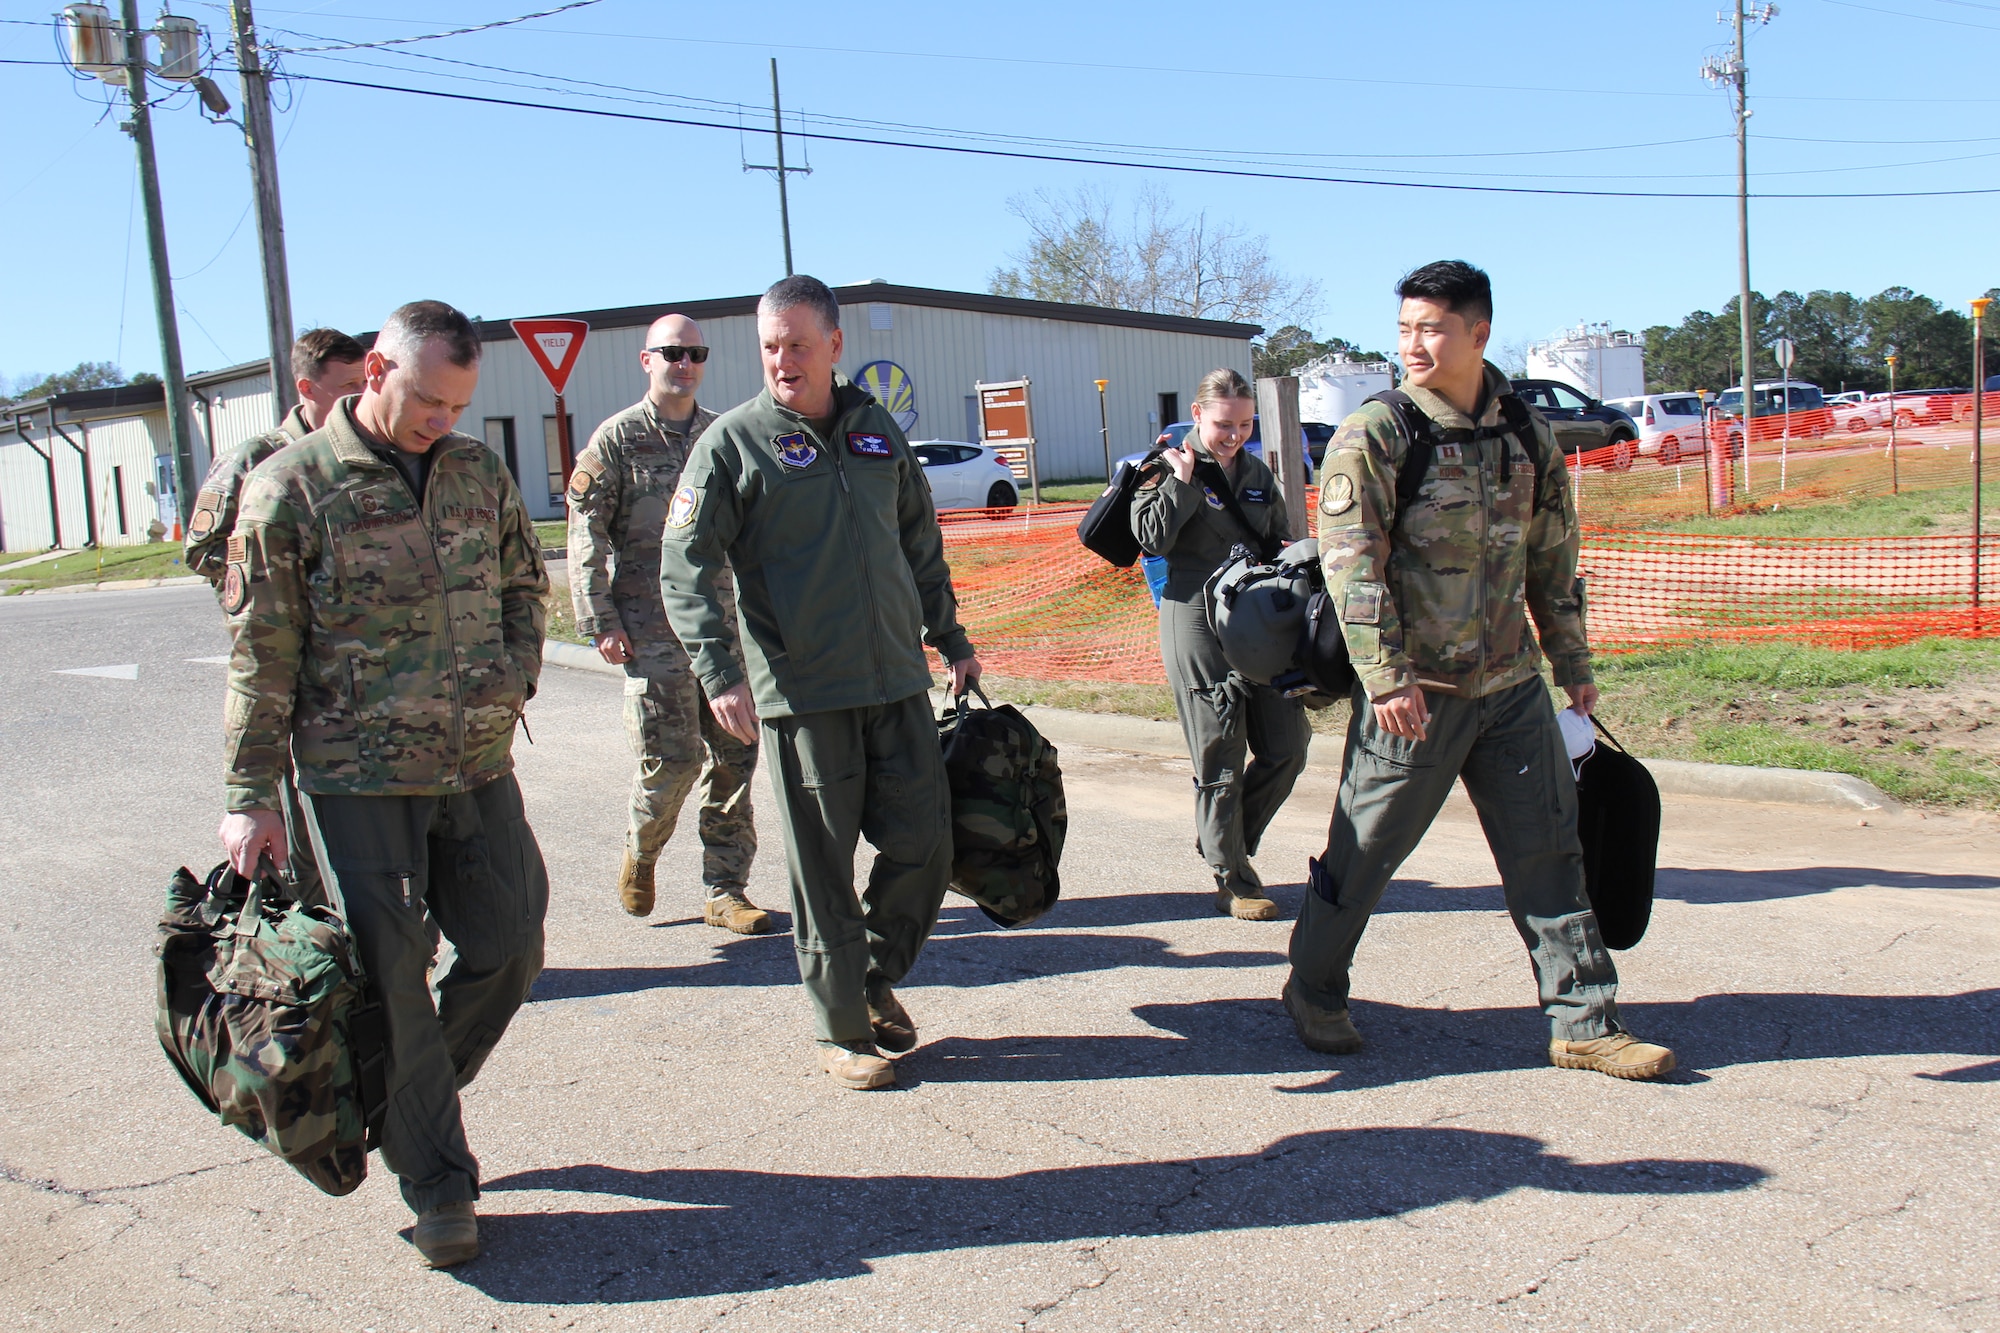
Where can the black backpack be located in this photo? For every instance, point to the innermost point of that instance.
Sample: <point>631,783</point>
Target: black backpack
<point>1106,530</point>
<point>1322,650</point>
<point>1618,823</point>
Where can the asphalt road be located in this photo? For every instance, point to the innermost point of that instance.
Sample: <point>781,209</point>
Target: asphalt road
<point>1109,1124</point>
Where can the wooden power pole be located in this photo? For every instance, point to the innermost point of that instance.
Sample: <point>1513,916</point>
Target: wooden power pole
<point>270,214</point>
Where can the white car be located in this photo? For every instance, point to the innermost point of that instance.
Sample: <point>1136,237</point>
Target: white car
<point>1856,411</point>
<point>1669,424</point>
<point>965,476</point>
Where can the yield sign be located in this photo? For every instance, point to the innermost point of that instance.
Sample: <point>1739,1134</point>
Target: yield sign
<point>554,343</point>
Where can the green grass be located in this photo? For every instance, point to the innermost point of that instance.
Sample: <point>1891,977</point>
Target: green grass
<point>1069,492</point>
<point>553,534</point>
<point>1911,514</point>
<point>156,560</point>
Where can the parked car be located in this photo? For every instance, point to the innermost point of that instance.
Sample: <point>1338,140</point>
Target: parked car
<point>1669,424</point>
<point>1856,411</point>
<point>965,476</point>
<point>1582,423</point>
<point>1171,438</point>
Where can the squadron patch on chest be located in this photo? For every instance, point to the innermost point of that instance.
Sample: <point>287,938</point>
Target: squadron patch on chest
<point>868,446</point>
<point>794,449</point>
<point>1214,500</point>
<point>680,512</point>
<point>1337,497</point>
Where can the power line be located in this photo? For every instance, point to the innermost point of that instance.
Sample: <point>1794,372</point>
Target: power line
<point>1184,169</point>
<point>433,36</point>
<point>1921,18</point>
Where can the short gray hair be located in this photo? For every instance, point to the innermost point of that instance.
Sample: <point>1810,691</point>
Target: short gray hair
<point>410,326</point>
<point>802,290</point>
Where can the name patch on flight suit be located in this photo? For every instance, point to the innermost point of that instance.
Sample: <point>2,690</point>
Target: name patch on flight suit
<point>795,450</point>
<point>680,512</point>
<point>868,446</point>
<point>1255,495</point>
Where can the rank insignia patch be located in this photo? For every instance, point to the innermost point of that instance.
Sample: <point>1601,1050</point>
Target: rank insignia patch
<point>868,446</point>
<point>795,450</point>
<point>681,512</point>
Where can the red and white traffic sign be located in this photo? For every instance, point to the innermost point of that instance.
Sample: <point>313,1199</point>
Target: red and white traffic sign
<point>554,343</point>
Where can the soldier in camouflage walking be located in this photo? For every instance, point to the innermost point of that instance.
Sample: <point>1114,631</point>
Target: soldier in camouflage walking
<point>1435,602</point>
<point>326,367</point>
<point>385,597</point>
<point>617,502</point>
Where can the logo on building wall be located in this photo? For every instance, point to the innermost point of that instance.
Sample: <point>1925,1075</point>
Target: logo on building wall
<point>893,388</point>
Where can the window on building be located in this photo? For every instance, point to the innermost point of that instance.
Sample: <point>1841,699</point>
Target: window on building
<point>972,417</point>
<point>881,315</point>
<point>1170,409</point>
<point>118,498</point>
<point>500,439</point>
<point>552,448</point>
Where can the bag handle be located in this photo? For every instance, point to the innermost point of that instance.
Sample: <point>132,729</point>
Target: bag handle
<point>1607,733</point>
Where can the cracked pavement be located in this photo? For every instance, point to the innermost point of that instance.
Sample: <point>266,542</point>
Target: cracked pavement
<point>1109,1124</point>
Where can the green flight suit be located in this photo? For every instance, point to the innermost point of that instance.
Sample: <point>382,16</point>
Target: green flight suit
<point>840,581</point>
<point>1441,595</point>
<point>1223,716</point>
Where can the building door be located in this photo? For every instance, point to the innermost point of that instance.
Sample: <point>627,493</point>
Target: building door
<point>500,439</point>
<point>1170,409</point>
<point>972,419</point>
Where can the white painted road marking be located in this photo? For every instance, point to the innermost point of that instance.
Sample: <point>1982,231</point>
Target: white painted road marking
<point>212,661</point>
<point>130,671</point>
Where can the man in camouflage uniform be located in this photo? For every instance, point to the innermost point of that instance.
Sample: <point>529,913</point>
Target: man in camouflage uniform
<point>326,367</point>
<point>617,502</point>
<point>385,597</point>
<point>1435,602</point>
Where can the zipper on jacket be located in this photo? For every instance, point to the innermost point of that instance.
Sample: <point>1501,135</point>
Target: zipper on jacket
<point>861,553</point>
<point>444,611</point>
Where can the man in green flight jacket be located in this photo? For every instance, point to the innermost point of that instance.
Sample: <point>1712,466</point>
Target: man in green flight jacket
<point>810,493</point>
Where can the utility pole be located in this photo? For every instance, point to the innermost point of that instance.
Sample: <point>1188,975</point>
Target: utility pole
<point>270,214</point>
<point>1732,71</point>
<point>1979,305</point>
<point>780,170</point>
<point>180,432</point>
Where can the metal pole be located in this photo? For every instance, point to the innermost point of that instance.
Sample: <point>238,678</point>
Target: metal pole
<point>263,146</point>
<point>1743,238</point>
<point>778,133</point>
<point>1895,478</point>
<point>1978,430</point>
<point>563,443</point>
<point>1104,429</point>
<point>180,428</point>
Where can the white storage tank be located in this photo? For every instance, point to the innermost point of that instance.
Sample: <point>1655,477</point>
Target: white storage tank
<point>1334,386</point>
<point>1601,361</point>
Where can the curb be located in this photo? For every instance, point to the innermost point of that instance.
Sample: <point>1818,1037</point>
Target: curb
<point>114,585</point>
<point>1140,735</point>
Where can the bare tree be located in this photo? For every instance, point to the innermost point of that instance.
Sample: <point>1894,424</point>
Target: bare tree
<point>1157,260</point>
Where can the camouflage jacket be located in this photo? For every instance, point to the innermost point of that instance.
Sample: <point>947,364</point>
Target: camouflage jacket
<point>617,504</point>
<point>840,570</point>
<point>214,516</point>
<point>388,646</point>
<point>1441,595</point>
<point>1187,523</point>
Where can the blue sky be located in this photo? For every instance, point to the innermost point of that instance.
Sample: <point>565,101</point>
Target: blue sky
<point>508,212</point>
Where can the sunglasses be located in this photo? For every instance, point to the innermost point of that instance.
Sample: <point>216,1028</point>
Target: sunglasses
<point>673,352</point>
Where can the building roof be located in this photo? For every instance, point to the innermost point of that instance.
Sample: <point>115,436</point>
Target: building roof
<point>860,294</point>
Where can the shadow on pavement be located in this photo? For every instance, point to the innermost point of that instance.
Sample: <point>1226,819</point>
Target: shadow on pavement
<point>736,1231</point>
<point>1223,1037</point>
<point>1701,887</point>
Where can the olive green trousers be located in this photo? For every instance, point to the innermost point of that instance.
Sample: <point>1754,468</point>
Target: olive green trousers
<point>472,862</point>
<point>838,775</point>
<point>1510,753</point>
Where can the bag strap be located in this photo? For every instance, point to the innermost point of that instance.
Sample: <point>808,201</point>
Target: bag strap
<point>1420,442</point>
<point>1267,546</point>
<point>1615,744</point>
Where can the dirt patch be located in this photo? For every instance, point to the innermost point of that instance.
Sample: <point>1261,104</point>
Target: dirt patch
<point>1959,717</point>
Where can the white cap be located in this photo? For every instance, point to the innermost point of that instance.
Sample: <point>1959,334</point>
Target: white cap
<point>1578,735</point>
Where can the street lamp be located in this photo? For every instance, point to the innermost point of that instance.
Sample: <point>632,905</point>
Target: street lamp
<point>1104,429</point>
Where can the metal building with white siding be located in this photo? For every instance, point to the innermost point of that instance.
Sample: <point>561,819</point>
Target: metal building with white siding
<point>944,343</point>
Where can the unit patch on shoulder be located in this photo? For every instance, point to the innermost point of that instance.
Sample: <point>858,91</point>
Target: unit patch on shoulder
<point>201,524</point>
<point>1214,500</point>
<point>580,483</point>
<point>1337,497</point>
<point>680,512</point>
<point>235,590</point>
<point>794,449</point>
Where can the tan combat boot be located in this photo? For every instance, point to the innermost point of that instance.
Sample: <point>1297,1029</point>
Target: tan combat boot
<point>447,1235</point>
<point>733,911</point>
<point>1319,1030</point>
<point>855,1064</point>
<point>1619,1055</point>
<point>1259,908</point>
<point>635,885</point>
<point>895,1030</point>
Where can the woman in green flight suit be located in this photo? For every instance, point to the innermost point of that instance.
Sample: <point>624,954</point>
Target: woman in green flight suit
<point>1179,515</point>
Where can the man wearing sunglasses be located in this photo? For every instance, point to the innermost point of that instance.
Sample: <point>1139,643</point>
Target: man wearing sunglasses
<point>617,502</point>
